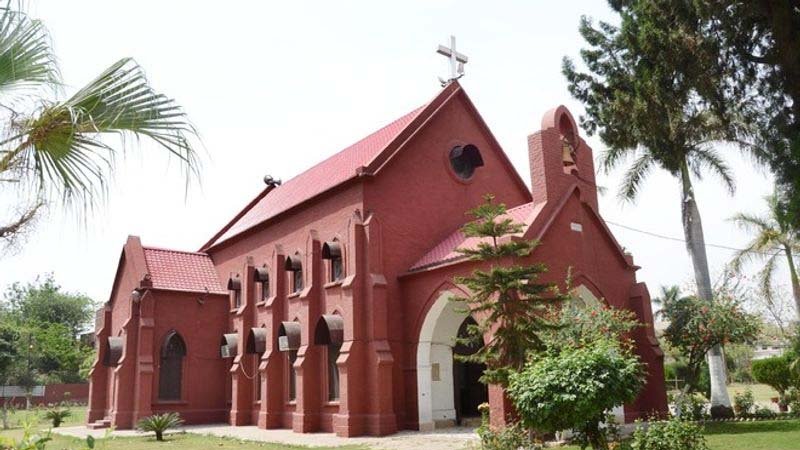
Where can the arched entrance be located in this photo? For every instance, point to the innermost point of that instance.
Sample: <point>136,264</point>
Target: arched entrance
<point>468,390</point>
<point>447,390</point>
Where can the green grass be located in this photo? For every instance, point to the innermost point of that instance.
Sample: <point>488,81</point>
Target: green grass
<point>16,418</point>
<point>180,441</point>
<point>764,435</point>
<point>761,392</point>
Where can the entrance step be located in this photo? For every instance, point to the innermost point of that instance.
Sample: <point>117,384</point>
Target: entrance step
<point>100,424</point>
<point>470,422</point>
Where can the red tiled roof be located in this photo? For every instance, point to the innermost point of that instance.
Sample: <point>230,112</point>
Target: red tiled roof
<point>445,251</point>
<point>182,271</point>
<point>324,176</point>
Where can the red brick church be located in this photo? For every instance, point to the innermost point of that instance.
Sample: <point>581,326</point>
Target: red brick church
<point>323,304</point>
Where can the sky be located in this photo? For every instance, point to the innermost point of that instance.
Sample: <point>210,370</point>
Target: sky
<point>274,87</point>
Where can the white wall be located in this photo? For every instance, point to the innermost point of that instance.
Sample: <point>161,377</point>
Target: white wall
<point>435,350</point>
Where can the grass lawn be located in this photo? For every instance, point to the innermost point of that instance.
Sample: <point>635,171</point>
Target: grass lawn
<point>761,392</point>
<point>179,441</point>
<point>765,435</point>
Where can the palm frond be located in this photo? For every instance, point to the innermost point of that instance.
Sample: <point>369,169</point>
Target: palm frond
<point>612,157</point>
<point>744,256</point>
<point>634,177</point>
<point>63,144</point>
<point>26,56</point>
<point>750,222</point>
<point>708,159</point>
<point>765,278</point>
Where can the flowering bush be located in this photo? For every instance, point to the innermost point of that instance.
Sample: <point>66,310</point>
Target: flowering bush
<point>673,434</point>
<point>743,402</point>
<point>696,326</point>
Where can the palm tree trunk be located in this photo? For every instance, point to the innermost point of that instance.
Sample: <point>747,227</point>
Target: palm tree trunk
<point>696,246</point>
<point>795,280</point>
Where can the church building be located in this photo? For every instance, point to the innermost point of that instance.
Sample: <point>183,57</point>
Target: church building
<point>323,305</point>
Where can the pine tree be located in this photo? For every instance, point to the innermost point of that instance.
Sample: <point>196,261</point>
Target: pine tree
<point>507,301</point>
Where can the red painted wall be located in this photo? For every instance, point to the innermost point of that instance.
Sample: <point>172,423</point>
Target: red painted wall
<point>419,201</point>
<point>200,321</point>
<point>385,221</point>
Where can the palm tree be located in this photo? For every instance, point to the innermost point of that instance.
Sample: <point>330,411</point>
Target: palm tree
<point>646,112</point>
<point>669,295</point>
<point>57,150</point>
<point>773,238</point>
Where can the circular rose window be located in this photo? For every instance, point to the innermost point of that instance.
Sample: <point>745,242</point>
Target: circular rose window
<point>464,160</point>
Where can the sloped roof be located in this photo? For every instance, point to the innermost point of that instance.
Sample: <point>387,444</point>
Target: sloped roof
<point>446,250</point>
<point>365,157</point>
<point>536,218</point>
<point>320,178</point>
<point>182,271</point>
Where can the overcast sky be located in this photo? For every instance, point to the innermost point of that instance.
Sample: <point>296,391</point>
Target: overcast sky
<point>274,87</point>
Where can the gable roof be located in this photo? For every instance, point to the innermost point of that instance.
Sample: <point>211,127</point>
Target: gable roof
<point>320,178</point>
<point>175,270</point>
<point>365,157</point>
<point>447,250</point>
<point>536,219</point>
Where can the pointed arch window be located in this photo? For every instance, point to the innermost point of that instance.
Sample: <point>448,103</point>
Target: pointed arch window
<point>235,288</point>
<point>262,278</point>
<point>170,375</point>
<point>330,333</point>
<point>256,346</point>
<point>332,251</point>
<point>294,265</point>
<point>289,342</point>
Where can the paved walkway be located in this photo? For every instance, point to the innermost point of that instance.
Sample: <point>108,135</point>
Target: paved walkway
<point>445,439</point>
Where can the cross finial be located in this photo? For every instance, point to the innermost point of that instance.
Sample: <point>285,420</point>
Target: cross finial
<point>457,61</point>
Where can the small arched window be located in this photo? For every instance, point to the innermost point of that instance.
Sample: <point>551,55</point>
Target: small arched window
<point>294,265</point>
<point>332,251</point>
<point>170,375</point>
<point>330,333</point>
<point>289,342</point>
<point>256,346</point>
<point>262,278</point>
<point>235,288</point>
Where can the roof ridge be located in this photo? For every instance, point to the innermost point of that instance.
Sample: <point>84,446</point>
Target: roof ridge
<point>164,249</point>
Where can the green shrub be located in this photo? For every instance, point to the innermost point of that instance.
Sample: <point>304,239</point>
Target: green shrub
<point>691,406</point>
<point>793,400</point>
<point>673,434</point>
<point>512,437</point>
<point>57,415</point>
<point>743,402</point>
<point>160,423</point>
<point>561,391</point>
<point>29,439</point>
<point>777,373</point>
<point>765,413</point>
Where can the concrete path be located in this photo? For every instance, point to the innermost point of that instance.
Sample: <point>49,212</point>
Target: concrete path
<point>445,439</point>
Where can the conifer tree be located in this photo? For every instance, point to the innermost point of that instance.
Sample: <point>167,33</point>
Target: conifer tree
<point>507,299</point>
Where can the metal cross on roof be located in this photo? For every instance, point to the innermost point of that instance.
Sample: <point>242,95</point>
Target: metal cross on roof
<point>457,60</point>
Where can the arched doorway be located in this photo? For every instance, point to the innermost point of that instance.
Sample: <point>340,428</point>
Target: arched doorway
<point>468,390</point>
<point>443,399</point>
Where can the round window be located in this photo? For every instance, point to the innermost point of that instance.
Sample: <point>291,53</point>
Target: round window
<point>464,160</point>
